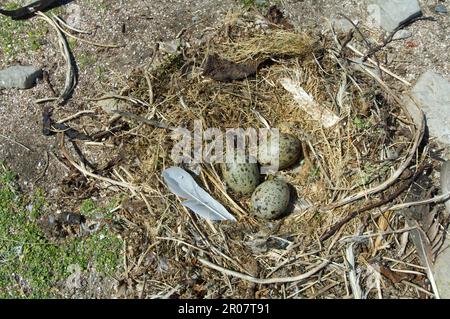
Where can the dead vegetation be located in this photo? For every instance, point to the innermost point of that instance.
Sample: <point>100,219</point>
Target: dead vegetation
<point>346,235</point>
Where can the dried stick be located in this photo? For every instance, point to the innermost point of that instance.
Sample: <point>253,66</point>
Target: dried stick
<point>58,20</point>
<point>369,46</point>
<point>15,142</point>
<point>420,129</point>
<point>74,116</point>
<point>70,73</point>
<point>145,121</point>
<point>87,173</point>
<point>407,22</point>
<point>363,237</point>
<point>437,199</point>
<point>64,24</point>
<point>384,69</point>
<point>267,281</point>
<point>334,228</point>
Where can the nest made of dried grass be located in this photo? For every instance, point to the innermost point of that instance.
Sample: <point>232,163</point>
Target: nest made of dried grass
<point>345,167</point>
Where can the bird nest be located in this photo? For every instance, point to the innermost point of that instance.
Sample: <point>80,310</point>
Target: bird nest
<point>343,234</point>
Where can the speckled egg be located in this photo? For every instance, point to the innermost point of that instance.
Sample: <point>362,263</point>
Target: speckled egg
<point>242,178</point>
<point>290,151</point>
<point>271,199</point>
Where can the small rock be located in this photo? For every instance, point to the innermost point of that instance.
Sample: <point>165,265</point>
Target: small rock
<point>19,76</point>
<point>432,92</point>
<point>441,9</point>
<point>170,47</point>
<point>74,15</point>
<point>261,3</point>
<point>110,105</point>
<point>441,269</point>
<point>358,67</point>
<point>389,14</point>
<point>343,25</point>
<point>260,23</point>
<point>402,35</point>
<point>445,183</point>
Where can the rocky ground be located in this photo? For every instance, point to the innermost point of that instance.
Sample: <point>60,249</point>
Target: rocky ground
<point>139,26</point>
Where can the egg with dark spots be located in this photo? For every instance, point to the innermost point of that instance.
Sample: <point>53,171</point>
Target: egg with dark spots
<point>241,176</point>
<point>287,154</point>
<point>271,199</point>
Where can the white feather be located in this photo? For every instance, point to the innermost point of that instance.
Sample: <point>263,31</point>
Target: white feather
<point>198,200</point>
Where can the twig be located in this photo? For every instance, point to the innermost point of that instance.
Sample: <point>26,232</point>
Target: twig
<point>15,142</point>
<point>45,100</point>
<point>384,69</point>
<point>70,73</point>
<point>407,22</point>
<point>419,288</point>
<point>74,116</point>
<point>437,199</point>
<point>47,162</point>
<point>86,172</point>
<point>267,281</point>
<point>144,120</point>
<point>57,21</point>
<point>64,24</point>
<point>122,97</point>
<point>334,228</point>
<point>420,129</point>
<point>369,46</point>
<point>362,237</point>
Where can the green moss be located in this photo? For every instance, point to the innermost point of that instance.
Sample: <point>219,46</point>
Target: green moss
<point>101,72</point>
<point>72,42</point>
<point>22,35</point>
<point>30,265</point>
<point>360,123</point>
<point>89,208</point>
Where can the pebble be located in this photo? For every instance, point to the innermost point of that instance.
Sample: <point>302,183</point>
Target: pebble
<point>343,25</point>
<point>432,92</point>
<point>19,77</point>
<point>389,14</point>
<point>441,9</point>
<point>402,35</point>
<point>261,3</point>
<point>110,105</point>
<point>441,269</point>
<point>170,47</point>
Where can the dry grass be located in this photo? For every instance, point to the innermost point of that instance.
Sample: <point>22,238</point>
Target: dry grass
<point>171,252</point>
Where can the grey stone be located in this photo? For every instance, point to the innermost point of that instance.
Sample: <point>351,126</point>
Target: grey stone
<point>73,12</point>
<point>261,2</point>
<point>19,76</point>
<point>402,34</point>
<point>110,105</point>
<point>445,183</point>
<point>170,47</point>
<point>343,25</point>
<point>388,14</point>
<point>441,9</point>
<point>441,270</point>
<point>432,92</point>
